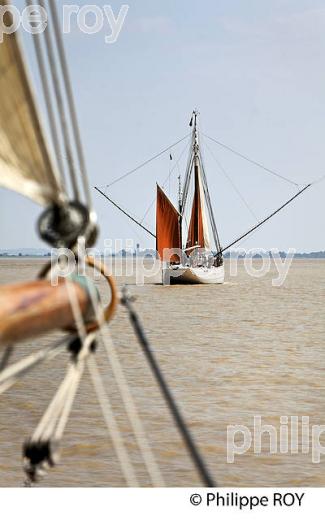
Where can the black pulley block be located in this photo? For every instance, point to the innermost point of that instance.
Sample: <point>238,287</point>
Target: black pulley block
<point>61,226</point>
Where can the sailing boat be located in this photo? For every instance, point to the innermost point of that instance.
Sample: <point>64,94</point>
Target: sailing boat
<point>198,259</point>
<point>194,261</point>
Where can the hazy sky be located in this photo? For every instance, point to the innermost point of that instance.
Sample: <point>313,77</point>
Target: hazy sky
<point>253,68</point>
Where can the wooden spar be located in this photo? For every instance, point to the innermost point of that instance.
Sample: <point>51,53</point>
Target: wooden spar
<point>30,309</point>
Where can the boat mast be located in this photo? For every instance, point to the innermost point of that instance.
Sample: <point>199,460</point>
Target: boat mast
<point>180,207</point>
<point>196,178</point>
<point>188,173</point>
<point>180,194</point>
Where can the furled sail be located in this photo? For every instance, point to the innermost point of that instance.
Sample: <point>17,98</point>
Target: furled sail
<point>198,232</point>
<point>25,165</point>
<point>168,231</point>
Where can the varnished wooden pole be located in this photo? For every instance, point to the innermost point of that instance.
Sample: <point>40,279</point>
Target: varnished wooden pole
<point>31,309</point>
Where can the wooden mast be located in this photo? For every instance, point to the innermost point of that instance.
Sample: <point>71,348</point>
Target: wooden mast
<point>196,202</point>
<point>197,232</point>
<point>180,209</point>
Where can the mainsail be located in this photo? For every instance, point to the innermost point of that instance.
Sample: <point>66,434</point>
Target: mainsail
<point>198,232</point>
<point>25,165</point>
<point>168,230</point>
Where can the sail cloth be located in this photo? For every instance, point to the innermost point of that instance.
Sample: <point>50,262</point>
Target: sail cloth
<point>25,164</point>
<point>168,230</point>
<point>198,231</point>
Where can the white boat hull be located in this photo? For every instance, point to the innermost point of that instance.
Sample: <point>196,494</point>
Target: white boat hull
<point>193,275</point>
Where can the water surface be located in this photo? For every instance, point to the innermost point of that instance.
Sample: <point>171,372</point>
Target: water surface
<point>229,352</point>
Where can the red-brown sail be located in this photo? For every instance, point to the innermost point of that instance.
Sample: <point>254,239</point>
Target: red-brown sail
<point>196,228</point>
<point>167,226</point>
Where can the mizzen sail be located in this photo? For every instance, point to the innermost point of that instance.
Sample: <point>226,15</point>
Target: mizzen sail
<point>168,232</point>
<point>25,165</point>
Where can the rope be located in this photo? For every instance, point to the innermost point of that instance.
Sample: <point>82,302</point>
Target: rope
<point>60,106</point>
<point>239,239</point>
<point>268,170</point>
<point>125,213</point>
<point>68,403</point>
<point>145,163</point>
<point>47,96</point>
<point>103,399</point>
<point>41,450</point>
<point>317,181</point>
<point>6,356</point>
<point>11,375</point>
<point>169,398</point>
<point>129,405</point>
<point>176,165</point>
<point>188,177</point>
<point>131,410</point>
<point>302,190</point>
<point>71,103</point>
<point>123,457</point>
<point>231,182</point>
<point>46,426</point>
<point>188,173</point>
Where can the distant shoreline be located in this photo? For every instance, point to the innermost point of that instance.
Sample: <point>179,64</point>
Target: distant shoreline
<point>317,255</point>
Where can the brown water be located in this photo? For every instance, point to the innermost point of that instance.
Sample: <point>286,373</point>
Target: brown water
<point>229,352</point>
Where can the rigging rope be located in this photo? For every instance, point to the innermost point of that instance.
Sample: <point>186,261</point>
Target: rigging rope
<point>169,398</point>
<point>60,106</point>
<point>6,356</point>
<point>267,218</point>
<point>176,165</point>
<point>41,450</point>
<point>222,169</point>
<point>47,97</point>
<point>71,103</point>
<point>125,213</point>
<point>102,396</point>
<point>129,403</point>
<point>145,163</point>
<point>134,418</point>
<point>188,176</point>
<point>57,415</point>
<point>320,179</point>
<point>103,399</point>
<point>268,170</point>
<point>11,374</point>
